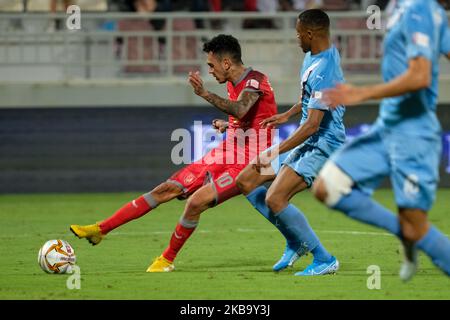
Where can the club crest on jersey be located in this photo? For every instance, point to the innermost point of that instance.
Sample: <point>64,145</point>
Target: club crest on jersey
<point>189,179</point>
<point>252,83</point>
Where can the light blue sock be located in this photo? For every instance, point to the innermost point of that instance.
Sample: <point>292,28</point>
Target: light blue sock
<point>295,222</point>
<point>360,206</point>
<point>258,199</point>
<point>437,247</point>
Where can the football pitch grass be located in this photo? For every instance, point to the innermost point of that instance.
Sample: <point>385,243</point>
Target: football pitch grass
<point>228,257</point>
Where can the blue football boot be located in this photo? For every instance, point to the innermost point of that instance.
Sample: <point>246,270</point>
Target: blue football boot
<point>318,268</point>
<point>291,254</point>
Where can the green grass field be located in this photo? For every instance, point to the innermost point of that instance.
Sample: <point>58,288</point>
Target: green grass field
<point>229,256</point>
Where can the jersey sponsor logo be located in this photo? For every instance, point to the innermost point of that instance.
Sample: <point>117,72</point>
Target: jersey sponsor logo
<point>252,83</point>
<point>421,39</point>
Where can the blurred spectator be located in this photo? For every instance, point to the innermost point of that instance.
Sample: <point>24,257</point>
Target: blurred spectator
<point>300,5</point>
<point>56,23</point>
<point>380,3</point>
<point>268,7</point>
<point>54,4</point>
<point>154,48</point>
<point>337,4</point>
<point>144,6</point>
<point>199,6</point>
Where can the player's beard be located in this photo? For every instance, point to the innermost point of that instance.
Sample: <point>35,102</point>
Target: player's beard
<point>220,80</point>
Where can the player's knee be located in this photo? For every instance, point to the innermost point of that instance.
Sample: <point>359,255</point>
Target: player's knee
<point>244,184</point>
<point>275,202</point>
<point>332,184</point>
<point>193,204</point>
<point>196,205</point>
<point>409,232</point>
<point>166,191</point>
<point>413,228</point>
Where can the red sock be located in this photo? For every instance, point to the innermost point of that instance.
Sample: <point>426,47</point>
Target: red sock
<point>179,237</point>
<point>128,212</point>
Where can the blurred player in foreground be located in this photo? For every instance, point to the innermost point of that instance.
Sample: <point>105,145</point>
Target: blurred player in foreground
<point>405,141</point>
<point>212,179</point>
<point>320,133</point>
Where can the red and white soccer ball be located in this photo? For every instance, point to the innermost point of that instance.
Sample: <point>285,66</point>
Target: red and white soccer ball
<point>56,256</point>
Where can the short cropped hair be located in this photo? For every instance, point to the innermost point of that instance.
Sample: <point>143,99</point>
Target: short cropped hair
<point>315,19</point>
<point>224,44</point>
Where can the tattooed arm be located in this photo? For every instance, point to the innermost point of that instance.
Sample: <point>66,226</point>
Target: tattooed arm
<point>237,109</point>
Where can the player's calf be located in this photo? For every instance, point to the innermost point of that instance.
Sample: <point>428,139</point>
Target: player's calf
<point>132,210</point>
<point>414,224</point>
<point>249,179</point>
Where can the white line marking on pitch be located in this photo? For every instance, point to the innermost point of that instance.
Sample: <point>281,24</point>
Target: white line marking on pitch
<point>243,230</point>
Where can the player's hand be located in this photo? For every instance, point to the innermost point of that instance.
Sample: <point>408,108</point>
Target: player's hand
<point>220,125</point>
<point>275,120</point>
<point>197,83</point>
<point>344,94</point>
<point>264,159</point>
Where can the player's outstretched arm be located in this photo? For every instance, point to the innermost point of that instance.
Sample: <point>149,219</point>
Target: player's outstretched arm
<point>307,129</point>
<point>237,109</point>
<point>282,117</point>
<point>417,77</point>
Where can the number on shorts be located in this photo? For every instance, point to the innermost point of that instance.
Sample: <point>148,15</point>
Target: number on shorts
<point>224,180</point>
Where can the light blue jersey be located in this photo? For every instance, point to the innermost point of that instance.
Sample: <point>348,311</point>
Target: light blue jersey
<point>319,72</point>
<point>445,42</point>
<point>404,143</point>
<point>417,28</point>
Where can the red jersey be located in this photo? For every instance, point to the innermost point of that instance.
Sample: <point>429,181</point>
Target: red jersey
<point>222,165</point>
<point>264,108</point>
<point>249,125</point>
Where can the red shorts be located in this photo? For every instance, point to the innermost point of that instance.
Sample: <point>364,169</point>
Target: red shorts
<point>221,176</point>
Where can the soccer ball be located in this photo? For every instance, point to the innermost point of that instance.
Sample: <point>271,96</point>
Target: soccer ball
<point>56,256</point>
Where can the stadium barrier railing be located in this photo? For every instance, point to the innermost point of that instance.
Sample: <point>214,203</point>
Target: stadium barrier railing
<point>124,45</point>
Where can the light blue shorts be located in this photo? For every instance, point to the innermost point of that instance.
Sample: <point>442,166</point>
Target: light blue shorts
<point>306,160</point>
<point>411,162</point>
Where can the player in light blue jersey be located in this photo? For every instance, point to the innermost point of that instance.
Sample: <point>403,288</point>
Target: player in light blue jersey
<point>445,44</point>
<point>295,162</point>
<point>404,143</point>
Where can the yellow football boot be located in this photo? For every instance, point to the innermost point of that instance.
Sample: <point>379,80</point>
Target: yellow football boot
<point>91,232</point>
<point>161,264</point>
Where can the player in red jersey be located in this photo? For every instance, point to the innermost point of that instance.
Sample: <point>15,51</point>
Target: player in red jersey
<point>212,179</point>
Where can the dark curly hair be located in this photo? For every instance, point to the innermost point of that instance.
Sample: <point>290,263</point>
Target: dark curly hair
<point>315,19</point>
<point>224,45</point>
